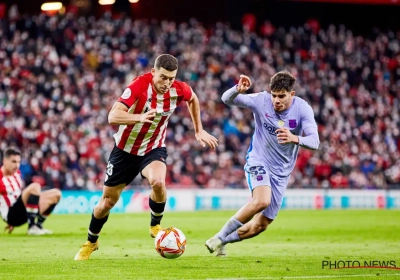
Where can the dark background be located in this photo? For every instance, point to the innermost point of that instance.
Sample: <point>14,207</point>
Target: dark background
<point>361,18</point>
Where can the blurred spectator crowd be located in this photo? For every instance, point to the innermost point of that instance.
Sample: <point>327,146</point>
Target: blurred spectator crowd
<point>60,75</point>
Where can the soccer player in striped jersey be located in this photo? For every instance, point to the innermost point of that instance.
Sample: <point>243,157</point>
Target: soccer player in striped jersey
<point>283,124</point>
<point>19,205</point>
<point>142,113</point>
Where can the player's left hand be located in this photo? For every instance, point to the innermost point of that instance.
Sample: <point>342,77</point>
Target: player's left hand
<point>204,138</point>
<point>285,136</point>
<point>9,228</point>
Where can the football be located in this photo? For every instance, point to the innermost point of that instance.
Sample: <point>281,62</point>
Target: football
<point>170,243</point>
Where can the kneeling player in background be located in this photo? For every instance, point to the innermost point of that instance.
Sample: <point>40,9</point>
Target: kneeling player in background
<point>20,205</point>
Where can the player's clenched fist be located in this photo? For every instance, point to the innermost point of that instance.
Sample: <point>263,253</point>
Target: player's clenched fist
<point>148,116</point>
<point>285,136</point>
<point>244,84</point>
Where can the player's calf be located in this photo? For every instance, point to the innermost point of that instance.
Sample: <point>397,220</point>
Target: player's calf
<point>101,212</point>
<point>30,198</point>
<point>48,201</point>
<point>251,230</point>
<point>104,206</point>
<point>157,213</point>
<point>155,173</point>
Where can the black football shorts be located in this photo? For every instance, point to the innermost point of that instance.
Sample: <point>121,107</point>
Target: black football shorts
<point>123,167</point>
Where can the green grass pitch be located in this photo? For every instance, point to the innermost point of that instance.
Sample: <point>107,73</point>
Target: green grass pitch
<point>292,248</point>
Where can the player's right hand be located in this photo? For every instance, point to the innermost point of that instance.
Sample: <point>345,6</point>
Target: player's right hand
<point>244,84</point>
<point>9,228</point>
<point>148,116</point>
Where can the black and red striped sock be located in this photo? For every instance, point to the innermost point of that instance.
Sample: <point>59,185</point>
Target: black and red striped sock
<point>42,217</point>
<point>95,227</point>
<point>32,209</point>
<point>157,212</point>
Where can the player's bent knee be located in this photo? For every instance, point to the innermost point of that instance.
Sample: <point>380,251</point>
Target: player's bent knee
<point>107,204</point>
<point>157,184</point>
<point>57,194</point>
<point>35,188</point>
<point>261,205</point>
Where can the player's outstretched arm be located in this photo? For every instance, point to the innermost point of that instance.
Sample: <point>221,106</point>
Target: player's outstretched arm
<point>201,135</point>
<point>231,96</point>
<point>119,115</point>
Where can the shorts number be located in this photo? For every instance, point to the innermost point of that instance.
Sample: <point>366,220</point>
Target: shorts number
<point>257,170</point>
<point>109,170</point>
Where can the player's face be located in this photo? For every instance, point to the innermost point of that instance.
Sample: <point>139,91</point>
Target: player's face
<point>12,163</point>
<point>282,100</point>
<point>163,79</point>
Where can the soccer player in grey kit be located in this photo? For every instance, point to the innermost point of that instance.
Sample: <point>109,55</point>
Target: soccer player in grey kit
<point>283,123</point>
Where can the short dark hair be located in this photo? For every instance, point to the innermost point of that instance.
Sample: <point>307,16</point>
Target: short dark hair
<point>166,61</point>
<point>11,152</point>
<point>282,81</point>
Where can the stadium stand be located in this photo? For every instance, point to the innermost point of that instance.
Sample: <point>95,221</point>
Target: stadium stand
<point>60,75</point>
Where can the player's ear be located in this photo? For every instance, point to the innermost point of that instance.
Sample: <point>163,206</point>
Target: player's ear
<point>292,94</point>
<point>153,71</point>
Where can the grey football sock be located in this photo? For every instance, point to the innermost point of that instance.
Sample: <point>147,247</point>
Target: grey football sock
<point>231,225</point>
<point>231,238</point>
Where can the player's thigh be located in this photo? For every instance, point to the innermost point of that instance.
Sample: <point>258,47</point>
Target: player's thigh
<point>153,167</point>
<point>155,172</point>
<point>258,181</point>
<point>33,188</point>
<point>278,187</point>
<point>262,194</point>
<point>121,169</point>
<point>17,214</point>
<point>48,198</point>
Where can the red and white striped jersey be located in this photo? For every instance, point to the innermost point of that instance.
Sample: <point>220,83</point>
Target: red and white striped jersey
<point>10,189</point>
<point>140,138</point>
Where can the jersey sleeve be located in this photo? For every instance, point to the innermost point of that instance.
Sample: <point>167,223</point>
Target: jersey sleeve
<point>307,117</point>
<point>187,92</point>
<point>131,93</point>
<point>232,98</point>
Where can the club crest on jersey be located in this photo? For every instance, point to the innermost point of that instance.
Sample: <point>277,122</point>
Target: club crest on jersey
<point>173,100</point>
<point>292,123</point>
<point>164,114</point>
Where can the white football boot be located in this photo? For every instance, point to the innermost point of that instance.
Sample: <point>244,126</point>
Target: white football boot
<point>35,230</point>
<point>221,252</point>
<point>213,244</point>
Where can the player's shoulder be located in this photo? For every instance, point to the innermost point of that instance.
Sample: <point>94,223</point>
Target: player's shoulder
<point>261,97</point>
<point>300,102</point>
<point>141,81</point>
<point>180,86</point>
<point>138,86</point>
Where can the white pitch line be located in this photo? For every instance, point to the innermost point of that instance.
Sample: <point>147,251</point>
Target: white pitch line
<point>310,277</point>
